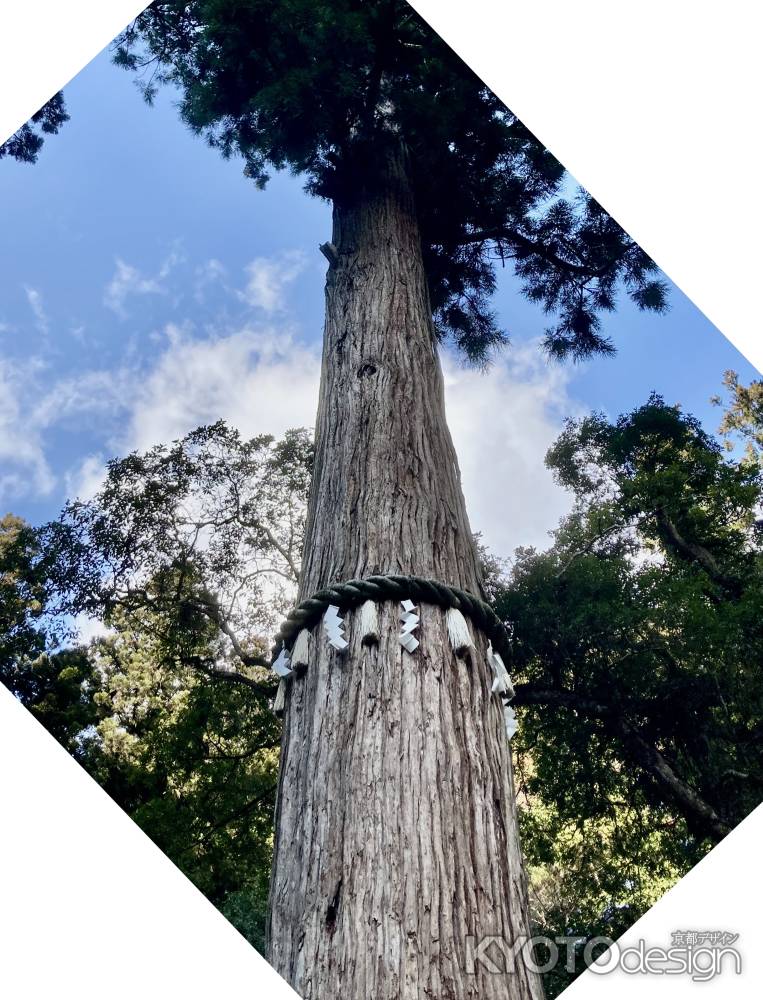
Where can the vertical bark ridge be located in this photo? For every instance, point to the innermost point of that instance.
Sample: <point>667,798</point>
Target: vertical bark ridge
<point>395,828</point>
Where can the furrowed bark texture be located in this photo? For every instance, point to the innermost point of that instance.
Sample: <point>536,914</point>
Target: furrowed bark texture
<point>396,839</point>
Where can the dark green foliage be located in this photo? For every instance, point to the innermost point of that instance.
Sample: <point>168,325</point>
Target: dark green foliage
<point>188,555</point>
<point>193,760</point>
<point>59,690</point>
<point>638,644</point>
<point>26,144</point>
<point>247,910</point>
<point>321,88</point>
<point>56,685</point>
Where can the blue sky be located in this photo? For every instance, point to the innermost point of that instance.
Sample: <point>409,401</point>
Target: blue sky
<point>149,287</point>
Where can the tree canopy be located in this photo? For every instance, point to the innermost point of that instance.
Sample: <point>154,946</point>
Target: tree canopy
<point>637,652</point>
<point>25,144</point>
<point>187,556</point>
<point>743,416</point>
<point>320,88</point>
<point>202,539</point>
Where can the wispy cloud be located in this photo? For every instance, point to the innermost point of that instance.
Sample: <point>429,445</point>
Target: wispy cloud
<point>33,405</point>
<point>34,298</point>
<point>209,273</point>
<point>128,281</point>
<point>23,466</point>
<point>84,480</point>
<point>268,279</point>
<point>259,380</point>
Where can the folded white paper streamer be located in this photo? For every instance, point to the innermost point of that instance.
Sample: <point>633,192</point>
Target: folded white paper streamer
<point>333,626</point>
<point>410,621</point>
<point>369,624</point>
<point>511,720</point>
<point>502,683</point>
<point>282,664</point>
<point>279,704</point>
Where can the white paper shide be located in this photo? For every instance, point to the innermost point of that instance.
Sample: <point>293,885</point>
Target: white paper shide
<point>409,621</point>
<point>333,626</point>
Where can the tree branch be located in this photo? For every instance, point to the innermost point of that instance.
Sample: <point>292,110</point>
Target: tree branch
<point>263,689</point>
<point>526,246</point>
<point>646,755</point>
<point>695,552</point>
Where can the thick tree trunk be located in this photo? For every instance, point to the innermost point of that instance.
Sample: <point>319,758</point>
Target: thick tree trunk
<point>396,845</point>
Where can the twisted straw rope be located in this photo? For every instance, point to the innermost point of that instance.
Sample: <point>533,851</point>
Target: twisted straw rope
<point>353,593</point>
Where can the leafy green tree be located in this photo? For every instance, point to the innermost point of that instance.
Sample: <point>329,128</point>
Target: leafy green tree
<point>55,684</point>
<point>638,646</point>
<point>198,542</point>
<point>194,761</point>
<point>594,876</point>
<point>743,416</point>
<point>25,145</point>
<point>23,593</point>
<point>191,759</point>
<point>187,555</point>
<point>60,689</point>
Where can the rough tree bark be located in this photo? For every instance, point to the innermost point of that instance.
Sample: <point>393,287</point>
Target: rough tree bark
<point>396,837</point>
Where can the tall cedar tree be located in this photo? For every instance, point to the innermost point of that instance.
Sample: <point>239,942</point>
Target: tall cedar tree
<point>396,840</point>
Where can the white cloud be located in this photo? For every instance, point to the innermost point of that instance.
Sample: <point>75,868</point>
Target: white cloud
<point>90,628</point>
<point>171,261</point>
<point>23,465</point>
<point>32,405</point>
<point>259,380</point>
<point>126,281</point>
<point>34,298</point>
<point>264,380</point>
<point>211,272</point>
<point>502,423</point>
<point>268,278</point>
<point>95,393</point>
<point>85,479</point>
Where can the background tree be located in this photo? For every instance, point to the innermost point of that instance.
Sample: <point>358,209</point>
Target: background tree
<point>743,415</point>
<point>638,646</point>
<point>187,555</point>
<point>198,542</point>
<point>431,180</point>
<point>26,144</point>
<point>194,762</point>
<point>23,592</point>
